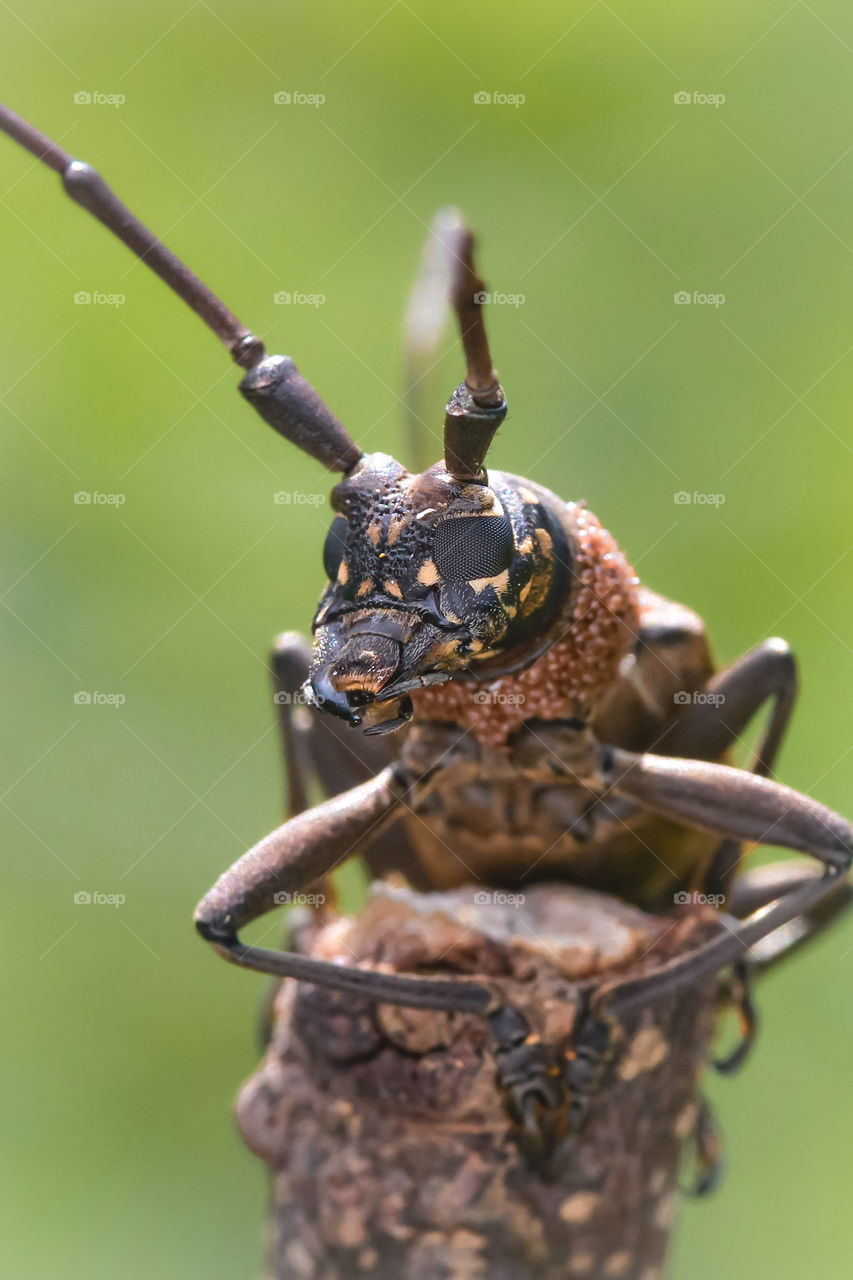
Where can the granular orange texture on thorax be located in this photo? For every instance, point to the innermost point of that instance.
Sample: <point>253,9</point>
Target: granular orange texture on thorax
<point>591,640</point>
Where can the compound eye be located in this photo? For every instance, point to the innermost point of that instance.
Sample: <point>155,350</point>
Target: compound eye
<point>468,547</point>
<point>333,548</point>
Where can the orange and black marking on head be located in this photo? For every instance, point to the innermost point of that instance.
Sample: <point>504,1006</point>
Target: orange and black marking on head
<point>431,576</point>
<point>454,573</point>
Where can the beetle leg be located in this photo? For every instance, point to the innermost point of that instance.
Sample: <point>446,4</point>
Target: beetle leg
<point>740,806</point>
<point>752,891</point>
<point>321,749</point>
<point>709,726</point>
<point>740,995</point>
<point>290,662</point>
<point>762,885</point>
<point>307,847</point>
<point>531,1080</point>
<point>708,1145</point>
<point>719,714</point>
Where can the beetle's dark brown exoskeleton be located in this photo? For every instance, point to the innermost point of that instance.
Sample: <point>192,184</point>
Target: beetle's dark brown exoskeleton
<point>545,700</point>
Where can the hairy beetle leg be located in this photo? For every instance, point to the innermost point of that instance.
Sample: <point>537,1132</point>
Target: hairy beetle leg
<point>740,996</point>
<point>301,851</point>
<point>709,1152</point>
<point>531,1078</point>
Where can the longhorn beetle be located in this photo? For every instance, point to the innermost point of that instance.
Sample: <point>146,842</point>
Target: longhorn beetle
<point>499,631</point>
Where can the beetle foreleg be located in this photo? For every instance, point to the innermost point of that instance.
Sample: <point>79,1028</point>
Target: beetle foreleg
<point>741,806</point>
<point>303,850</point>
<point>719,714</point>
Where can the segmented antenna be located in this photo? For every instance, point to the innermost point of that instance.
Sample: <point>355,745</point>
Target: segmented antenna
<point>478,405</point>
<point>424,328</point>
<point>273,384</point>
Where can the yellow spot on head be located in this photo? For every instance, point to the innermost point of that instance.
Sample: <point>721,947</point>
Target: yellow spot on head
<point>546,542</point>
<point>395,526</point>
<point>343,573</point>
<point>526,546</point>
<point>527,495</point>
<point>428,574</point>
<point>500,582</point>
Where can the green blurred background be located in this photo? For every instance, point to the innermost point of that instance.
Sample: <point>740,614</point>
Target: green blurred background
<point>598,199</point>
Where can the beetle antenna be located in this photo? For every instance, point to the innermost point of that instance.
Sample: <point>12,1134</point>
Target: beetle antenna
<point>478,405</point>
<point>273,384</point>
<point>424,328</point>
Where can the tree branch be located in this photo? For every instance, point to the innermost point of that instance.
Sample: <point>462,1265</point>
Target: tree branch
<point>386,1136</point>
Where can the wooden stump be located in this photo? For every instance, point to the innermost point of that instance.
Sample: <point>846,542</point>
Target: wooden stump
<point>385,1134</point>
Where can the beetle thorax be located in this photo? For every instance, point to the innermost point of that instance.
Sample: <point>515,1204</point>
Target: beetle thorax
<point>591,638</point>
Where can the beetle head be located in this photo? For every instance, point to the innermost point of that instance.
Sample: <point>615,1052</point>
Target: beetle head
<point>431,577</point>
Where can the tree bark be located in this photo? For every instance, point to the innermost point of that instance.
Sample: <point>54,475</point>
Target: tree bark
<point>387,1138</point>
